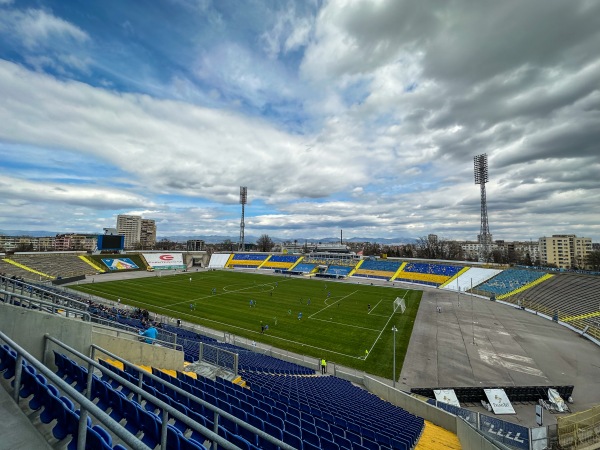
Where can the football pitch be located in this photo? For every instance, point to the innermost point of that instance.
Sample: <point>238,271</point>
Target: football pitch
<point>339,321</point>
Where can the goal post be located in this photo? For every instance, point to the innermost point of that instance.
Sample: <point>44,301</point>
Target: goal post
<point>399,304</point>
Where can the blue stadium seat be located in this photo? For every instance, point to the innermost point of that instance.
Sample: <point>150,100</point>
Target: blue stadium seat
<point>312,438</point>
<point>190,444</point>
<point>292,440</point>
<point>174,437</point>
<point>150,424</point>
<point>29,382</point>
<point>39,393</point>
<point>8,364</point>
<point>369,444</point>
<point>327,444</point>
<point>96,439</point>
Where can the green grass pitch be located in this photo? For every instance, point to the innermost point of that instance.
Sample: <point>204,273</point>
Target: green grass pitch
<point>336,322</point>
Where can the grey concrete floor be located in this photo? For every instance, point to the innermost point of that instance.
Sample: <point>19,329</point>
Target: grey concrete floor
<point>485,343</point>
<point>16,431</point>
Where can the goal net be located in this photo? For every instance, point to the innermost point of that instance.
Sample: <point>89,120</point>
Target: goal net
<point>399,304</point>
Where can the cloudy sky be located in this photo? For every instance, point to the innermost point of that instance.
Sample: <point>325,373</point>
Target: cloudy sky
<point>356,115</point>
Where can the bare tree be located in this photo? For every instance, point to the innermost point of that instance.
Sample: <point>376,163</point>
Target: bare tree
<point>592,260</point>
<point>264,243</point>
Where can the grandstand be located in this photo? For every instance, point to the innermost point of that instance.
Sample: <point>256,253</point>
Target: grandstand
<point>571,298</point>
<point>7,268</point>
<point>305,267</point>
<point>338,271</point>
<point>218,260</point>
<point>274,403</point>
<point>52,265</point>
<point>247,260</point>
<point>508,281</point>
<point>377,268</point>
<point>466,280</point>
<point>280,262</point>
<point>257,416</point>
<point>427,273</point>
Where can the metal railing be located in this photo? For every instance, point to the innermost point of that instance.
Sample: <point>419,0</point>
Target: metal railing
<point>31,290</point>
<point>219,357</point>
<point>86,405</point>
<point>167,410</point>
<point>35,303</point>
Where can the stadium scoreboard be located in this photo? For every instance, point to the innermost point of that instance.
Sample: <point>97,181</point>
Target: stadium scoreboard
<point>111,242</point>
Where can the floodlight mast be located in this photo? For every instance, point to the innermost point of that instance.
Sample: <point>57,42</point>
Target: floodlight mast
<point>243,200</point>
<point>481,178</point>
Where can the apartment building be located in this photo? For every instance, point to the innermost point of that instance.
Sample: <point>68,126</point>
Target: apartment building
<point>148,234</point>
<point>565,251</point>
<point>137,231</point>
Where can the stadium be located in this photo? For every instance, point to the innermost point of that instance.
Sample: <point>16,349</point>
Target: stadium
<point>274,350</point>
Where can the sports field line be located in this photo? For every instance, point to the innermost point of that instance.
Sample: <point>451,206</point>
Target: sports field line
<point>373,309</point>
<point>257,332</point>
<point>344,324</point>
<point>380,333</point>
<point>329,306</point>
<point>223,293</point>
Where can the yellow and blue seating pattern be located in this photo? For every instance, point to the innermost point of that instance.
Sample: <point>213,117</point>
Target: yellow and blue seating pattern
<point>382,269</point>
<point>429,274</point>
<point>247,260</point>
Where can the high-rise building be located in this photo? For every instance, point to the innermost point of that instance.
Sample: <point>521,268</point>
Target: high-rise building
<point>130,227</point>
<point>137,231</point>
<point>565,251</point>
<point>148,234</point>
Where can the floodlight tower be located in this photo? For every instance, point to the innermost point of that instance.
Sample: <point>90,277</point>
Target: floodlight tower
<point>481,177</point>
<point>243,200</point>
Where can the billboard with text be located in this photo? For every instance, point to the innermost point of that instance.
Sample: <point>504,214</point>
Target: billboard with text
<point>164,261</point>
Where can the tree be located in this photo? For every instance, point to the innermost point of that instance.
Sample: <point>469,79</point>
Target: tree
<point>592,260</point>
<point>264,243</point>
<point>227,244</point>
<point>166,244</point>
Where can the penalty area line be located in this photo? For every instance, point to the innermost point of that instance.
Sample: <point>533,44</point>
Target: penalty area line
<point>379,336</point>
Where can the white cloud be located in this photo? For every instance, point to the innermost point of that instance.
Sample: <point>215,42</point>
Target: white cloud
<point>36,27</point>
<point>362,115</point>
<point>101,197</point>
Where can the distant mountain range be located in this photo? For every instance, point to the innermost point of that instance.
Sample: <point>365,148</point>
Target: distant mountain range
<point>216,239</point>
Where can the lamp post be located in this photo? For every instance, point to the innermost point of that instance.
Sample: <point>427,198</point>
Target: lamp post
<point>394,329</point>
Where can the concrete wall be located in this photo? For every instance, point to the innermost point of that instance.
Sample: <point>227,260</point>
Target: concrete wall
<point>27,327</point>
<point>130,349</point>
<point>411,404</point>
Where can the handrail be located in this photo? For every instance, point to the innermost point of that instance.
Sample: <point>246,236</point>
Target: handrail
<point>76,304</point>
<point>53,306</point>
<point>217,411</point>
<point>86,405</point>
<point>167,409</point>
<point>219,350</point>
